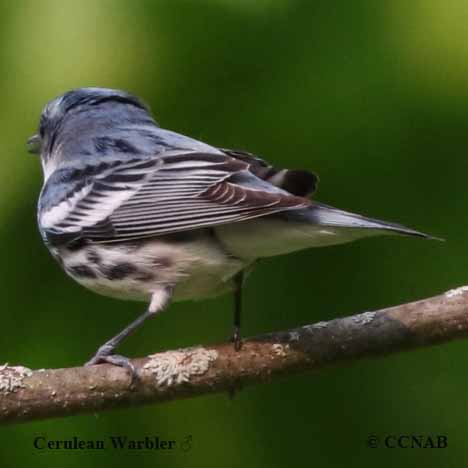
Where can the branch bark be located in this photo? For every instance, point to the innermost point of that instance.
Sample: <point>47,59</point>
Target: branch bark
<point>29,395</point>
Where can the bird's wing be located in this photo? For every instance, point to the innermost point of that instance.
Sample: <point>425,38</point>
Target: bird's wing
<point>297,182</point>
<point>177,191</point>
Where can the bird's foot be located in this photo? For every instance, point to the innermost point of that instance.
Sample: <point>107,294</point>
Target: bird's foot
<point>104,354</point>
<point>236,339</point>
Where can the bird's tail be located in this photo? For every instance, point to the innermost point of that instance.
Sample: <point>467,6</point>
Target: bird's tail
<point>323,215</point>
<point>318,225</point>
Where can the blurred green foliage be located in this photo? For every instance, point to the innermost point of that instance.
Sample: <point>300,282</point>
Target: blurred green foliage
<point>373,96</point>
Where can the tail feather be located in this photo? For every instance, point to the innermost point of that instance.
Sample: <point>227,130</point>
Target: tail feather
<point>325,215</point>
<point>292,230</point>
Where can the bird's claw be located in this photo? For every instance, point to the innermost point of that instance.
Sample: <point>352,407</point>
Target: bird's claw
<point>236,339</point>
<point>116,360</point>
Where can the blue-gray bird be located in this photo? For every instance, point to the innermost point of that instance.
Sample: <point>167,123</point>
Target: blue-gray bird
<point>133,211</point>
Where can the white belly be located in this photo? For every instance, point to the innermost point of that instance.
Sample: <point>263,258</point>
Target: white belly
<point>196,269</point>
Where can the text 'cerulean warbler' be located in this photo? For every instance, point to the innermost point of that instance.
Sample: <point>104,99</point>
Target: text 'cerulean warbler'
<point>134,211</point>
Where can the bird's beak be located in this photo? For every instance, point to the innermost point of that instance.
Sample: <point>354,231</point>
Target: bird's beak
<point>34,144</point>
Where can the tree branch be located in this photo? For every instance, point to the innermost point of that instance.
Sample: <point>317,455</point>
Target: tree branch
<point>28,395</point>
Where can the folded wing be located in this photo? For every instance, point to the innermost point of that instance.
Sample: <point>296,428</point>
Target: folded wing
<point>155,196</point>
<point>297,182</point>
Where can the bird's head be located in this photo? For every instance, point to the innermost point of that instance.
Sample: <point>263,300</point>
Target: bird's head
<point>71,122</point>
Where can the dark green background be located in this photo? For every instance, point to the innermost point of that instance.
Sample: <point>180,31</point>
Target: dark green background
<point>373,96</point>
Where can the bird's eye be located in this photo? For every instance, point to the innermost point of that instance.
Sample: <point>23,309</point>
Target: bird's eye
<point>34,144</point>
<point>42,124</point>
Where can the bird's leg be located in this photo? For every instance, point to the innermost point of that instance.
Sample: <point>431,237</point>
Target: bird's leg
<point>238,282</point>
<point>236,338</point>
<point>105,353</point>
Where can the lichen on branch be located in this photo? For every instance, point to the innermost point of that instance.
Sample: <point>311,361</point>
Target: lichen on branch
<point>46,393</point>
